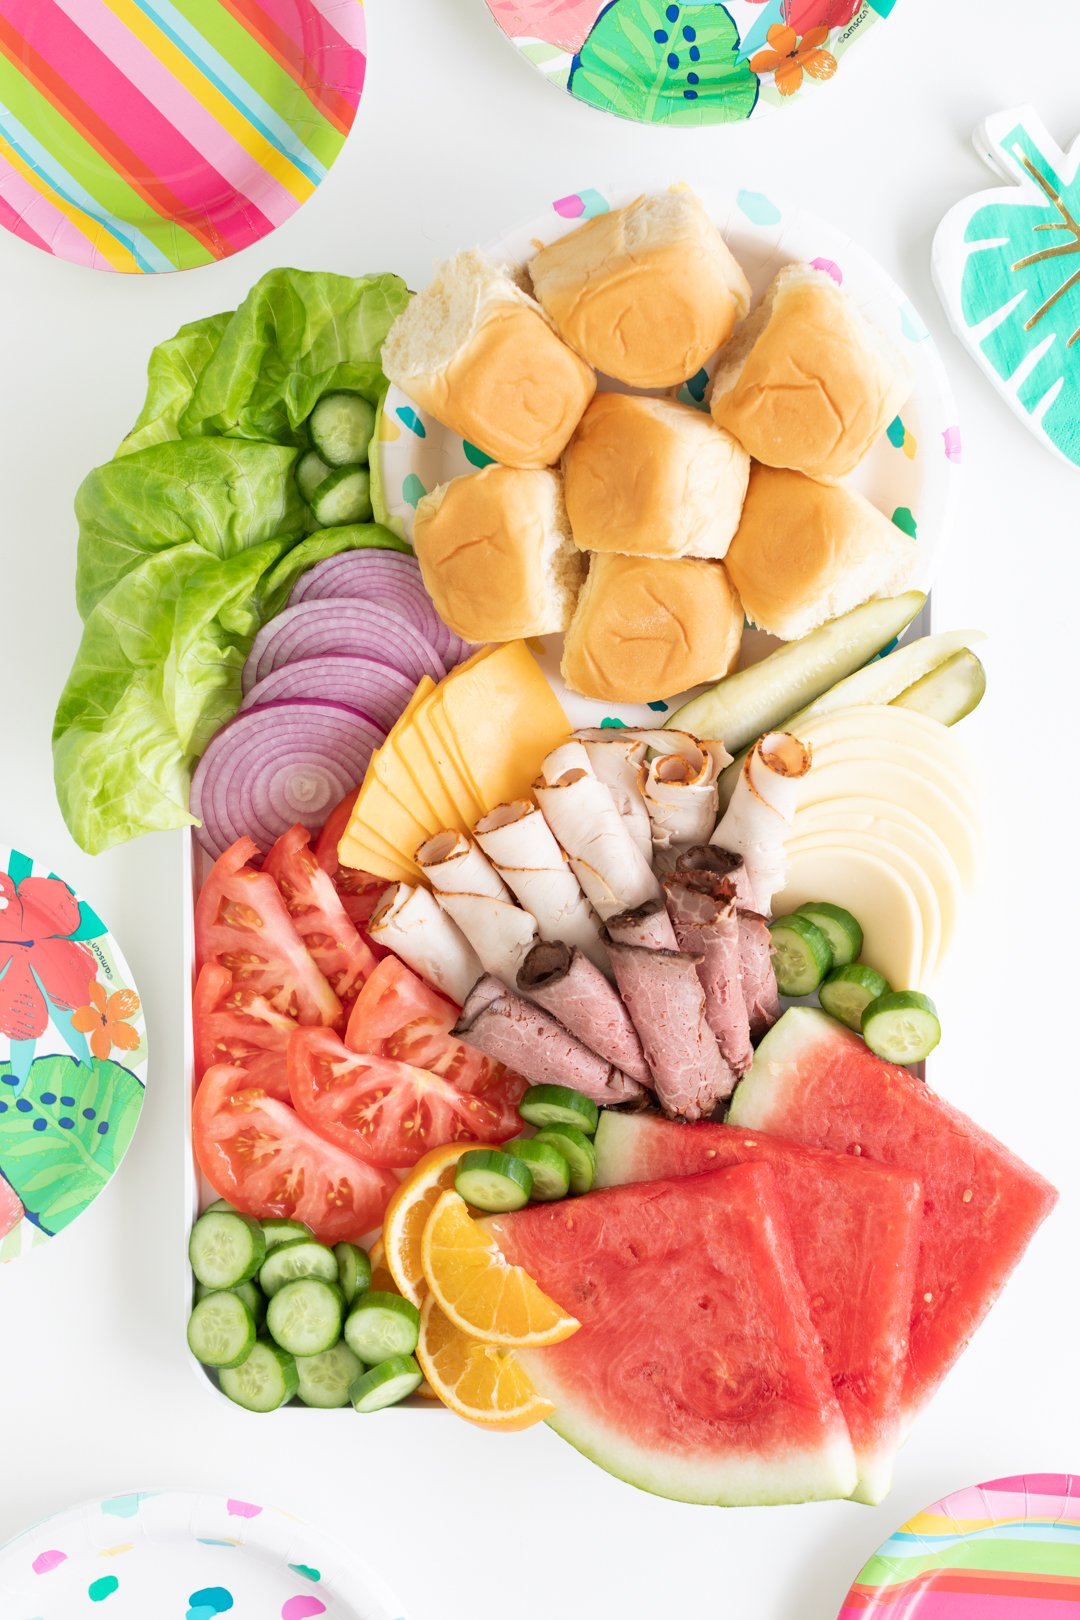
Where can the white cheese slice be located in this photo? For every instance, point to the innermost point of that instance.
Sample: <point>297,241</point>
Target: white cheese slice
<point>903,735</point>
<point>871,890</point>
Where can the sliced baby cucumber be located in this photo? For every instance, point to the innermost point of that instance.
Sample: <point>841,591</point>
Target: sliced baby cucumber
<point>901,1026</point>
<point>304,1317</point>
<point>578,1151</point>
<point>302,1257</point>
<point>221,1330</point>
<point>280,1231</point>
<point>848,991</point>
<point>218,1205</point>
<point>559,1105</point>
<point>354,1270</point>
<point>326,1379</point>
<point>311,471</point>
<point>381,1325</point>
<point>341,426</point>
<point>344,497</point>
<point>251,1294</point>
<point>493,1181</point>
<point>801,955</point>
<point>391,1381</point>
<point>225,1248</point>
<point>843,932</point>
<point>547,1166</point>
<point>262,1382</point>
<point>948,692</point>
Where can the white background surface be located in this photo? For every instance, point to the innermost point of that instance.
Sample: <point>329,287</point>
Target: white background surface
<point>456,137</point>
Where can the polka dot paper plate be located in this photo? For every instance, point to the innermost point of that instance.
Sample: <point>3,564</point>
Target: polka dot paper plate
<point>173,1556</point>
<point>688,62</point>
<point>910,475</point>
<point>72,1055</point>
<point>1008,1550</point>
<point>144,135</point>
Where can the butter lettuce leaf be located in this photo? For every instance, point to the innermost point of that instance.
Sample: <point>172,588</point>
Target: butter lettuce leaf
<point>175,367</point>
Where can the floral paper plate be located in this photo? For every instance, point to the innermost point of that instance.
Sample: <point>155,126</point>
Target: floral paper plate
<point>1007,1550</point>
<point>72,1055</point>
<point>688,62</point>
<point>144,135</point>
<point>167,1555</point>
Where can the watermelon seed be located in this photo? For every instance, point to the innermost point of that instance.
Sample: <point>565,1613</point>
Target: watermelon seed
<point>967,1195</point>
<point>928,1298</point>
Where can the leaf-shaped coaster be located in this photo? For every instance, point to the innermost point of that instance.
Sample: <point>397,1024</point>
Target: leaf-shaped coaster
<point>665,61</point>
<point>1006,265</point>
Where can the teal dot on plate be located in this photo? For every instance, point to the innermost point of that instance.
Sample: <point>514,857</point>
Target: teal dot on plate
<point>209,1602</point>
<point>904,519</point>
<point>697,385</point>
<point>412,490</point>
<point>99,1590</point>
<point>479,458</point>
<point>306,1569</point>
<point>408,416</point>
<point>611,724</point>
<point>895,431</point>
<point>661,708</point>
<point>758,208</point>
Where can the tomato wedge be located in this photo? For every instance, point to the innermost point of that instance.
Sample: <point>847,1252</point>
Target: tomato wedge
<point>318,914</point>
<point>241,923</point>
<point>360,892</point>
<point>234,1024</point>
<point>255,1151</point>
<point>390,1112</point>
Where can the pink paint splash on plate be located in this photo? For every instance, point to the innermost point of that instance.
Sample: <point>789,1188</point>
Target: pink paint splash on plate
<point>301,1608</point>
<point>242,1510</point>
<point>831,268</point>
<point>47,1561</point>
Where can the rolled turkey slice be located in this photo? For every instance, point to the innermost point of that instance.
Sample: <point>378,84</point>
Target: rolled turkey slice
<point>411,923</point>
<point>616,755</point>
<point>579,809</point>
<point>758,819</point>
<point>526,855</point>
<point>475,897</point>
<point>705,917</point>
<point>572,989</point>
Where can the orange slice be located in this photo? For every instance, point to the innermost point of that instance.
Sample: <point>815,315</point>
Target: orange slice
<point>407,1213</point>
<point>476,1288</point>
<point>381,1280</point>
<point>481,1382</point>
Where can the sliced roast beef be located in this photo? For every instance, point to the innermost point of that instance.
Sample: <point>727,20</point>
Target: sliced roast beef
<point>572,989</point>
<point>758,978</point>
<point>724,863</point>
<point>706,922</point>
<point>664,997</point>
<point>504,1026</point>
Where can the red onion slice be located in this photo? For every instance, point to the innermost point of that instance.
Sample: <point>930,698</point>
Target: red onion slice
<point>376,690</point>
<point>350,628</point>
<point>388,577</point>
<point>278,764</point>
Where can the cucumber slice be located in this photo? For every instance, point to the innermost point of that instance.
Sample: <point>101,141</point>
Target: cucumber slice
<point>848,991</point>
<point>381,1325</point>
<point>218,1205</point>
<point>743,706</point>
<point>493,1181</point>
<point>344,497</point>
<point>901,1026</point>
<point>249,1292</point>
<point>279,1231</point>
<point>326,1379</point>
<point>801,955</point>
<point>391,1381</point>
<point>221,1330</point>
<point>302,1257</point>
<point>547,1166</point>
<point>264,1381</point>
<point>843,932</point>
<point>225,1248</point>
<point>311,471</point>
<point>354,1270</point>
<point>948,692</point>
<point>304,1317</point>
<point>341,426</point>
<point>559,1105</point>
<point>578,1151</point>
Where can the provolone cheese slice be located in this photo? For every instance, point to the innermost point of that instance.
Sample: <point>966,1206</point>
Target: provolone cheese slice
<point>892,783</point>
<point>908,738</point>
<point>874,893</point>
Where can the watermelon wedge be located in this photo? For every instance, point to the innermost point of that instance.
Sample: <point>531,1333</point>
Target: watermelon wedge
<point>855,1228</point>
<point>814,1081</point>
<point>696,1373</point>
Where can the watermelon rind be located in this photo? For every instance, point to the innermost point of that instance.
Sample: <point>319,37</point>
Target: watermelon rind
<point>761,1094</point>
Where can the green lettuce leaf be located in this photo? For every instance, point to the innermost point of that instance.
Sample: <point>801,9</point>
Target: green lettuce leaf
<point>174,369</point>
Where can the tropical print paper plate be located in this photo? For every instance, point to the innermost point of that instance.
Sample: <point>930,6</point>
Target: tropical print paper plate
<point>168,1555</point>
<point>1008,1550</point>
<point>688,62</point>
<point>144,135</point>
<point>72,1055</point>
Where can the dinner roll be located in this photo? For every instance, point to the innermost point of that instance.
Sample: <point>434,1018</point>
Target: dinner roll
<point>646,293</point>
<point>808,383</point>
<point>652,478</point>
<point>645,629</point>
<point>479,354</point>
<point>806,551</point>
<point>496,554</point>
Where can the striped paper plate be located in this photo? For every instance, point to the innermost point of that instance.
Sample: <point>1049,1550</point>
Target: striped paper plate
<point>1009,1550</point>
<point>146,135</point>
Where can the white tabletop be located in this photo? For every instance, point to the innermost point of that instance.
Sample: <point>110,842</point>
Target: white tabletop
<point>456,137</point>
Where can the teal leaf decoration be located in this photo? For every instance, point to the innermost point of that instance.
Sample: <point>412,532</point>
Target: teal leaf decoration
<point>63,1138</point>
<point>665,63</point>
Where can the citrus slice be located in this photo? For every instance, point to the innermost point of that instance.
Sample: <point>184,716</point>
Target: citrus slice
<point>481,1382</point>
<point>407,1213</point>
<point>381,1280</point>
<point>476,1288</point>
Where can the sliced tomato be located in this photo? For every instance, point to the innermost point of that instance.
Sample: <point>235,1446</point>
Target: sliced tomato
<point>255,1151</point>
<point>235,1024</point>
<point>318,914</point>
<point>241,924</point>
<point>360,892</point>
<point>390,1112</point>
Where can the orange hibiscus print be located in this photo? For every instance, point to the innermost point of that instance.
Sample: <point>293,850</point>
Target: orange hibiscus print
<point>104,1020</point>
<point>791,57</point>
